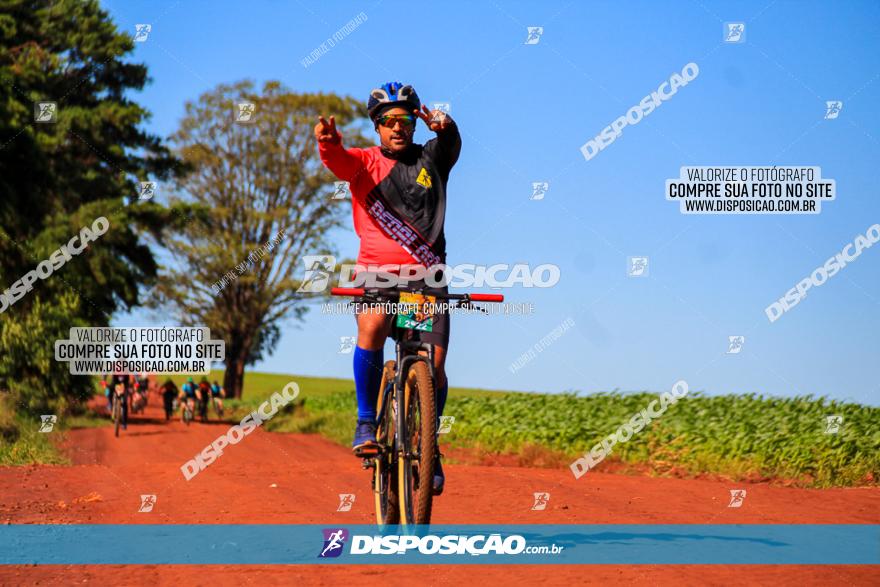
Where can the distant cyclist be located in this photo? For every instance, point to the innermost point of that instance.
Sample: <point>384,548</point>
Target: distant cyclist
<point>188,395</point>
<point>204,395</point>
<point>169,392</point>
<point>106,385</point>
<point>217,394</point>
<point>139,394</point>
<point>125,380</point>
<point>144,383</point>
<point>398,188</point>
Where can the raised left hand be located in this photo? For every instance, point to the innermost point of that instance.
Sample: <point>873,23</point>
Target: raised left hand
<point>435,120</point>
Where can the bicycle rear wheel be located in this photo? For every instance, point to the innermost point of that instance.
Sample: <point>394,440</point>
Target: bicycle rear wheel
<point>419,443</point>
<point>385,485</point>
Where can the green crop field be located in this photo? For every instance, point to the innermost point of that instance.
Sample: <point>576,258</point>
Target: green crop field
<point>736,436</point>
<point>743,437</point>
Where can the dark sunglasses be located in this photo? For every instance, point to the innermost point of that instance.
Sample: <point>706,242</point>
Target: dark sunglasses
<point>407,120</point>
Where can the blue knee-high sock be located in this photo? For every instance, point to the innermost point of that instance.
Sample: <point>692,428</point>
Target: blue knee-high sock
<point>442,392</point>
<point>367,377</point>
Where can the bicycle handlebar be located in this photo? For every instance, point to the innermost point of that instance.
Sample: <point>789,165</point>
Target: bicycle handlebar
<point>478,297</point>
<point>347,291</point>
<point>393,293</point>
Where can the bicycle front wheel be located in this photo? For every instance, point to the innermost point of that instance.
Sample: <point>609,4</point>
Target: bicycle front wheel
<point>419,444</point>
<point>116,415</point>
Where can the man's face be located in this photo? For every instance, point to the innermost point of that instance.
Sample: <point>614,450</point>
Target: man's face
<point>398,136</point>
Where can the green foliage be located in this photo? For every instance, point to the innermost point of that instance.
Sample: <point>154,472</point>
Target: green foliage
<point>267,202</point>
<point>332,416</point>
<point>56,178</point>
<point>37,383</point>
<point>22,443</point>
<point>740,436</point>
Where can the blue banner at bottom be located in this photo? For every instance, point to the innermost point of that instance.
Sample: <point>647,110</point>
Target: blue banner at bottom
<point>252,544</point>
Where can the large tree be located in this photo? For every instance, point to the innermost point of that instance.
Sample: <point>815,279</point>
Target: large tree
<point>267,200</point>
<point>57,177</point>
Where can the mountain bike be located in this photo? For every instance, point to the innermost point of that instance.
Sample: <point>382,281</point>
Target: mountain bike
<point>218,406</point>
<point>202,402</point>
<point>187,413</point>
<point>138,399</point>
<point>403,460</point>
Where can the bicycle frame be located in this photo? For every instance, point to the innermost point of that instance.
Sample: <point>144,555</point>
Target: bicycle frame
<point>408,352</point>
<point>187,407</point>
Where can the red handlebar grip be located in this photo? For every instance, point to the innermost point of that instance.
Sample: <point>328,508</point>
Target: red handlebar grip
<point>478,297</point>
<point>347,291</point>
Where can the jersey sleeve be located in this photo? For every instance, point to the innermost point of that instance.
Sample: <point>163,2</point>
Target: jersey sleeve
<point>445,148</point>
<point>345,164</point>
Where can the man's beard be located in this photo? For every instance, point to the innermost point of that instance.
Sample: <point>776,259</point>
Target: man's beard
<point>395,151</point>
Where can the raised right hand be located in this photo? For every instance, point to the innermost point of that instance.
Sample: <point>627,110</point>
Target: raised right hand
<point>326,132</point>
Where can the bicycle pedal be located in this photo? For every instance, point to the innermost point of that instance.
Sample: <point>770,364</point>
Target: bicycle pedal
<point>368,451</point>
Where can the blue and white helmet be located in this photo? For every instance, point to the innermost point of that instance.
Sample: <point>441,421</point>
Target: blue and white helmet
<point>392,94</point>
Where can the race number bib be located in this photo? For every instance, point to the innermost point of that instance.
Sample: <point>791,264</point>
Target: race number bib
<point>415,312</point>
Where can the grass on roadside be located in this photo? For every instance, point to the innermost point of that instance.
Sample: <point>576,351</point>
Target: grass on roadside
<point>325,406</point>
<point>22,443</point>
<point>748,437</point>
<point>745,437</point>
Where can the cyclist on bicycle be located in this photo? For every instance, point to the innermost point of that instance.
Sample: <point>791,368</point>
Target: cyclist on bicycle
<point>218,393</point>
<point>143,381</point>
<point>125,380</point>
<point>139,395</point>
<point>204,395</point>
<point>399,204</point>
<point>107,387</point>
<point>169,392</point>
<point>187,393</point>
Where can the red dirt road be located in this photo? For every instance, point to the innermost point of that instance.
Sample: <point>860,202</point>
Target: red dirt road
<point>296,479</point>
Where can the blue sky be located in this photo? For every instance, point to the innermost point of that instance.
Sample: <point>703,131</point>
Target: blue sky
<point>525,110</point>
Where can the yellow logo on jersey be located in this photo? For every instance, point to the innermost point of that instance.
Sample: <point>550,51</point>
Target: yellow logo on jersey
<point>424,179</point>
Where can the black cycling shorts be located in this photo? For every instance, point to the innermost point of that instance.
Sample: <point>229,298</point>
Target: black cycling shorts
<point>439,335</point>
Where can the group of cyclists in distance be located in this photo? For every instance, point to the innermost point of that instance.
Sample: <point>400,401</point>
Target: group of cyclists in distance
<point>132,391</point>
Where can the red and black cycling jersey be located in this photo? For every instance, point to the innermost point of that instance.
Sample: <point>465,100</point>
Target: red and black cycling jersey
<point>398,200</point>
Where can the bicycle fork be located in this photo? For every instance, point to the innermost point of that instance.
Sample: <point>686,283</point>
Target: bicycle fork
<point>407,355</point>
